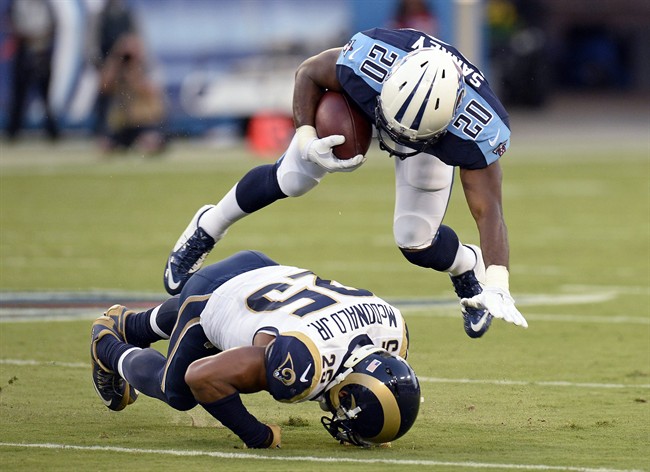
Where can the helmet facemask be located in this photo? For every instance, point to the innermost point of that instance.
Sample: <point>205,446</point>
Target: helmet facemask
<point>339,427</point>
<point>391,139</point>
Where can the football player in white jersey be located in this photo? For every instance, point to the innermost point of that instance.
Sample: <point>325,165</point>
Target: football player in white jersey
<point>434,111</point>
<point>247,324</point>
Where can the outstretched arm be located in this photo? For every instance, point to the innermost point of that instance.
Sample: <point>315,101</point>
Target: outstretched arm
<point>483,194</point>
<point>482,189</point>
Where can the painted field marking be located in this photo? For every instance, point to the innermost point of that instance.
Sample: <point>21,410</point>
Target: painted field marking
<point>242,456</point>
<point>531,383</point>
<point>420,309</point>
<point>421,312</point>
<point>44,306</point>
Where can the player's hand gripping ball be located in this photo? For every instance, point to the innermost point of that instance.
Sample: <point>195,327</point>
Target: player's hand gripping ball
<point>336,114</point>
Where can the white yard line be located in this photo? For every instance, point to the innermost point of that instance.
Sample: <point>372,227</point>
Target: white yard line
<point>252,456</point>
<point>18,306</point>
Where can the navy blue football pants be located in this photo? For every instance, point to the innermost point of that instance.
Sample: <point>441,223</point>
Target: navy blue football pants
<point>149,371</point>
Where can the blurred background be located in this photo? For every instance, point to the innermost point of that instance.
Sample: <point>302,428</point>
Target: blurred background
<point>222,70</point>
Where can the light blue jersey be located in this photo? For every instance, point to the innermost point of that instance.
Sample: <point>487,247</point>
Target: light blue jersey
<point>479,133</point>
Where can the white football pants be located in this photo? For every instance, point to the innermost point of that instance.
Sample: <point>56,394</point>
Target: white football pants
<point>422,190</point>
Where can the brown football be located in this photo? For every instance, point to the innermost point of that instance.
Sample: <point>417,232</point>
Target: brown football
<point>336,114</point>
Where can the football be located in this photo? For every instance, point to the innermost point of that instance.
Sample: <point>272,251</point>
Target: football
<point>336,114</point>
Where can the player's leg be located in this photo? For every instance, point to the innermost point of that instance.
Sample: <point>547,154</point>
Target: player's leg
<point>120,365</point>
<point>229,411</point>
<point>209,278</point>
<point>289,177</point>
<point>44,86</point>
<point>164,377</point>
<point>423,189</point>
<point>20,88</point>
<point>120,368</point>
<point>120,334</point>
<point>143,328</point>
<point>188,341</point>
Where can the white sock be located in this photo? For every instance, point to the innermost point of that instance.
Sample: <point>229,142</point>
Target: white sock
<point>120,362</point>
<point>218,219</point>
<point>465,260</point>
<point>154,324</point>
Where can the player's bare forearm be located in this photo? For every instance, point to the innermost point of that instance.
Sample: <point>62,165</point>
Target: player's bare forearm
<point>235,370</point>
<point>482,189</point>
<point>313,77</point>
<point>494,242</point>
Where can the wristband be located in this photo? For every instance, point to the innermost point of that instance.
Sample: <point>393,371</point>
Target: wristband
<point>497,276</point>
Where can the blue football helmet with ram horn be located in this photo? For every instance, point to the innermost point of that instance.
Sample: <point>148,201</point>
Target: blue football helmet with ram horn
<point>375,400</point>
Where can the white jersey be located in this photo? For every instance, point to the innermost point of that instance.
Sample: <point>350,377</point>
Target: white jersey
<point>329,318</point>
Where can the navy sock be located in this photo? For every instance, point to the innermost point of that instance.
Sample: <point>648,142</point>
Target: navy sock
<point>138,326</point>
<point>143,370</point>
<point>259,188</point>
<point>232,413</point>
<point>168,315</point>
<point>110,349</point>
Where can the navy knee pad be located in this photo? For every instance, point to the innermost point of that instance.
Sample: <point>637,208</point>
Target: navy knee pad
<point>440,255</point>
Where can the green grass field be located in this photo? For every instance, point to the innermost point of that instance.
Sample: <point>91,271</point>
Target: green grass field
<point>569,393</point>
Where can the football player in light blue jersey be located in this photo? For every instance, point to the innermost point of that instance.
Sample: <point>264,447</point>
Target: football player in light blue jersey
<point>247,324</point>
<point>433,111</point>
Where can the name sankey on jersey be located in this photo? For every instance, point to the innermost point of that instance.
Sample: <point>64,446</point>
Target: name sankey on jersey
<point>327,318</point>
<point>479,133</point>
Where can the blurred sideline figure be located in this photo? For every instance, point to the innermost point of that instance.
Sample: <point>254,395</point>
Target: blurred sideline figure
<point>415,14</point>
<point>433,111</point>
<point>136,105</point>
<point>518,51</point>
<point>247,324</point>
<point>113,21</point>
<point>33,26</point>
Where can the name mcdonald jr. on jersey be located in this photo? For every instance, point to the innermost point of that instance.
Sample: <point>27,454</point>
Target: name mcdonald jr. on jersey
<point>354,317</point>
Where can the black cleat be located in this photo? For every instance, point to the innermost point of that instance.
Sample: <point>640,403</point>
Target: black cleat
<point>475,321</point>
<point>188,254</point>
<point>114,391</point>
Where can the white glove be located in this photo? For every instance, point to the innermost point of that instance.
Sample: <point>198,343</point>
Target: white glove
<point>496,298</point>
<point>319,151</point>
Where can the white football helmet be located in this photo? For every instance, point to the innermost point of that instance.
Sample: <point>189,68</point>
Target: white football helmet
<point>418,100</point>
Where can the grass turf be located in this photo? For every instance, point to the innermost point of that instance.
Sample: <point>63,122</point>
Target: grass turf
<point>571,391</point>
